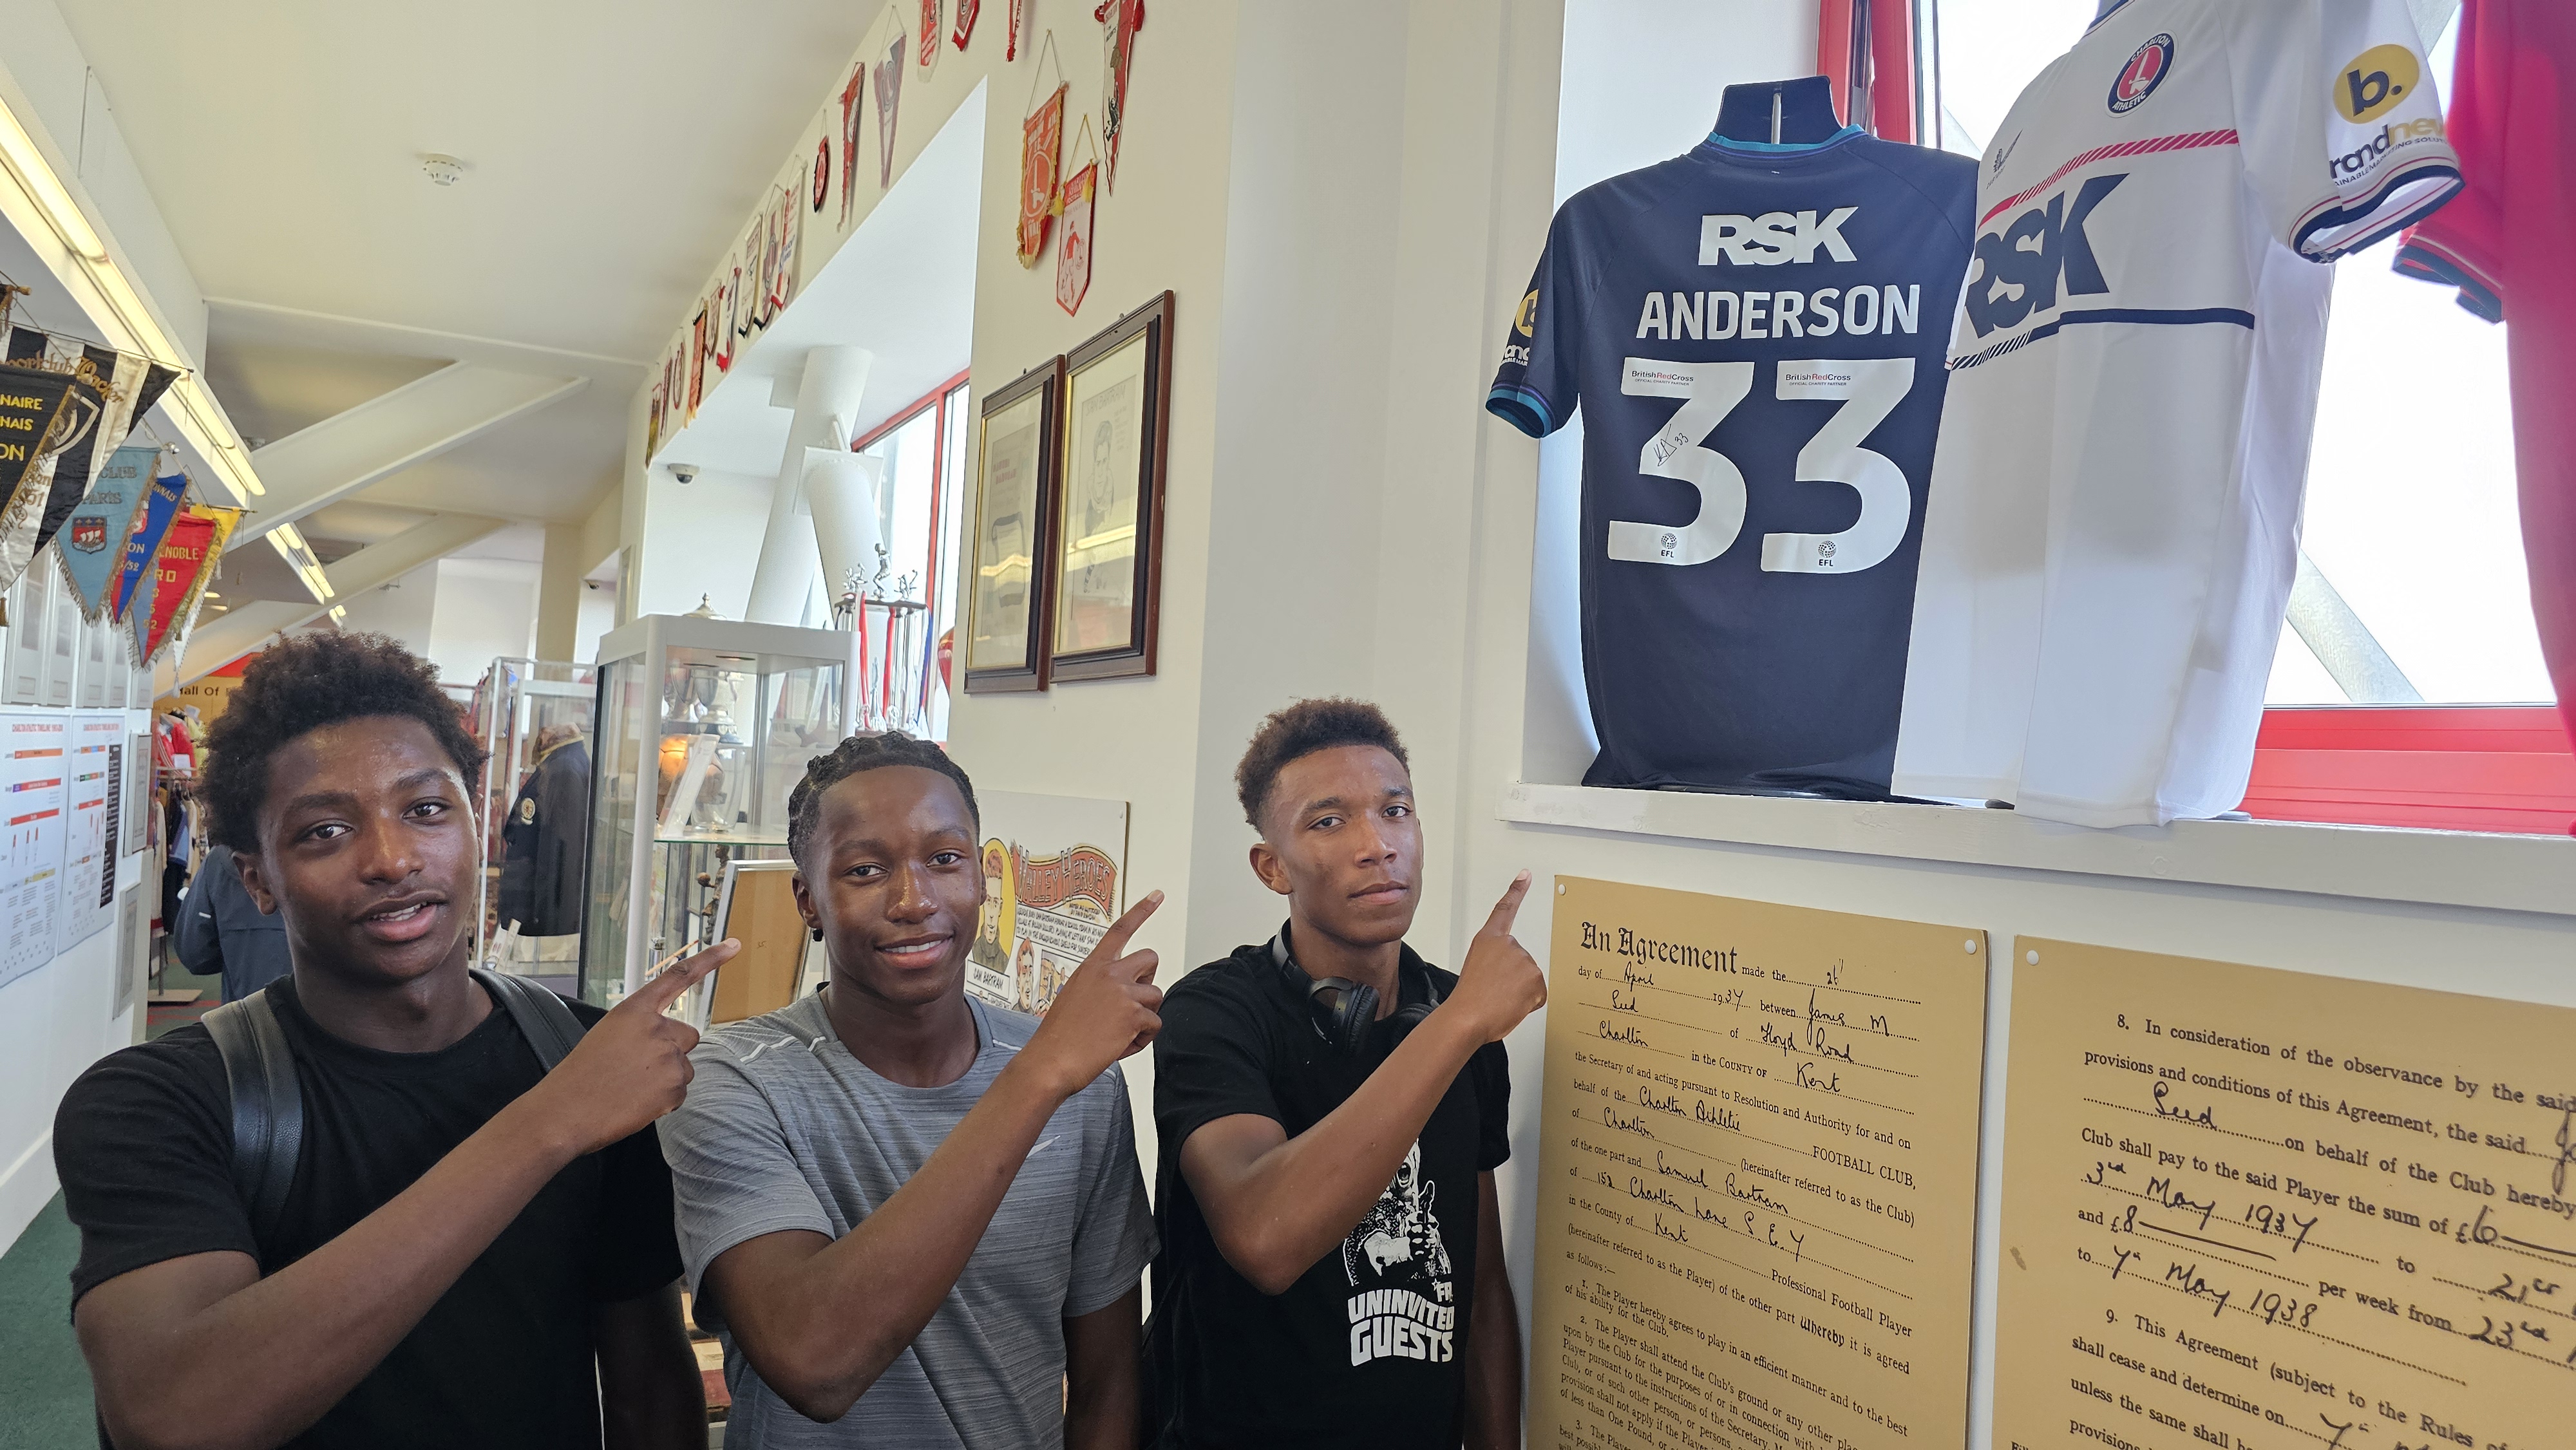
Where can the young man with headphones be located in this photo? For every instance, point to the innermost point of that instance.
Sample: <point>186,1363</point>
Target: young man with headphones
<point>1331,1109</point>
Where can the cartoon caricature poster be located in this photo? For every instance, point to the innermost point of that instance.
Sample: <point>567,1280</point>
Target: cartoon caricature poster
<point>1053,869</point>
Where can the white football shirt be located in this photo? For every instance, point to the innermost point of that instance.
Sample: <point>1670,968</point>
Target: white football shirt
<point>2114,513</point>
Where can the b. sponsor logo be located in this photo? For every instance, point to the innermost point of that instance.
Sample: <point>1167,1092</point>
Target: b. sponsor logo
<point>2374,81</point>
<point>2146,70</point>
<point>1527,318</point>
<point>1774,238</point>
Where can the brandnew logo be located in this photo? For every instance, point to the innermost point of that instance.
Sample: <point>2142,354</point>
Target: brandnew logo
<point>1774,238</point>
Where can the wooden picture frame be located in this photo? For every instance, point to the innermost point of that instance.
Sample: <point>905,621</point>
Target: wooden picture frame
<point>1105,613</point>
<point>1011,572</point>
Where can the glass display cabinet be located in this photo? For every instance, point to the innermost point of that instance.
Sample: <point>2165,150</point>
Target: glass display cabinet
<point>537,720</point>
<point>704,726</point>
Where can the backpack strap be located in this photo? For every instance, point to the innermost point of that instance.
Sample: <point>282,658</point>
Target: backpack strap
<point>544,1020</point>
<point>267,1102</point>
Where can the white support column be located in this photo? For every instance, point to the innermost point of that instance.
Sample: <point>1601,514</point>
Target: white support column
<point>827,400</point>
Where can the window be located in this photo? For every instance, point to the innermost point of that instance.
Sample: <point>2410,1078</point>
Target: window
<point>923,449</point>
<point>2410,640</point>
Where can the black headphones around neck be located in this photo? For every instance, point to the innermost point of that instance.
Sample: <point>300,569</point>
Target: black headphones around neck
<point>1342,1010</point>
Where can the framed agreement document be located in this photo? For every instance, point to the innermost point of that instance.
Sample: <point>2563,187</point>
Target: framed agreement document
<point>1109,554</point>
<point>1007,605</point>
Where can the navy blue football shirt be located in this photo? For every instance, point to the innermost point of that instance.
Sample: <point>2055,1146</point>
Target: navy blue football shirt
<point>1755,335</point>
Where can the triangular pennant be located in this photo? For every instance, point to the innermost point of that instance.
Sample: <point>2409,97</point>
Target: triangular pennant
<point>161,502</point>
<point>77,465</point>
<point>92,542</point>
<point>156,381</point>
<point>889,77</point>
<point>180,572</point>
<point>33,402</point>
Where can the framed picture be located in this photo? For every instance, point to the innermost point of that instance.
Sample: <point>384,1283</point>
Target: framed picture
<point>1008,605</point>
<point>1109,550</point>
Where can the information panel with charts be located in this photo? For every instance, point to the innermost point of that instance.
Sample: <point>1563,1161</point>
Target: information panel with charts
<point>1757,1175</point>
<point>2269,1210</point>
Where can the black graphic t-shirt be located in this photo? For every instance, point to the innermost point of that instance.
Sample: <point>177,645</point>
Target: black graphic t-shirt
<point>1365,1349</point>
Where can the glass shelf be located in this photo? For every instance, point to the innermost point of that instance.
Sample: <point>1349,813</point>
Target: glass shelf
<point>705,725</point>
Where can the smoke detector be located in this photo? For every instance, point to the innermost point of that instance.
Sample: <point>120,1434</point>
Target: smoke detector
<point>440,169</point>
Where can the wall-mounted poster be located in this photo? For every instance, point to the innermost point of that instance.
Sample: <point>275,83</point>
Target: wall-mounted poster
<point>2281,1211</point>
<point>1118,390</point>
<point>1757,1194</point>
<point>1007,599</point>
<point>91,760</point>
<point>32,768</point>
<point>1052,882</point>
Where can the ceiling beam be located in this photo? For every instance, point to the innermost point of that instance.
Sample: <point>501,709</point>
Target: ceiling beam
<point>227,637</point>
<point>346,452</point>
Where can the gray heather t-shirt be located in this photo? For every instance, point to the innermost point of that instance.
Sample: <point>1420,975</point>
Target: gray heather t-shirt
<point>785,1129</point>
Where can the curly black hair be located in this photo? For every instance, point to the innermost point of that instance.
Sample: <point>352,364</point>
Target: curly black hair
<point>301,684</point>
<point>1301,729</point>
<point>851,756</point>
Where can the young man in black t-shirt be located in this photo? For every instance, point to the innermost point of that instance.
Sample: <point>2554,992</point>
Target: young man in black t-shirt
<point>472,1251</point>
<point>1332,1265</point>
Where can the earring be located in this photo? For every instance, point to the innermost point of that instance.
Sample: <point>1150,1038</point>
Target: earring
<point>818,932</point>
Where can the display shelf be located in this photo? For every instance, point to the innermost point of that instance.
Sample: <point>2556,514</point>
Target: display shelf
<point>2440,868</point>
<point>705,725</point>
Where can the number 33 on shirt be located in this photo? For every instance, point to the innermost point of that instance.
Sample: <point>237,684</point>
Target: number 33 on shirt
<point>1743,331</point>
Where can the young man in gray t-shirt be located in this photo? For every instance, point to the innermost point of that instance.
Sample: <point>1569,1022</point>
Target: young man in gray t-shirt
<point>915,1220</point>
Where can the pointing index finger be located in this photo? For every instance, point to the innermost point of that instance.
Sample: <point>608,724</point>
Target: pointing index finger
<point>1113,942</point>
<point>1500,923</point>
<point>666,988</point>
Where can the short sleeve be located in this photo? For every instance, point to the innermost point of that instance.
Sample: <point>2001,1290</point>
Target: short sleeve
<point>143,1146</point>
<point>1491,1069</point>
<point>1115,1239</point>
<point>637,1251</point>
<point>1211,1061</point>
<point>733,1176</point>
<point>1534,389</point>
<point>2339,120</point>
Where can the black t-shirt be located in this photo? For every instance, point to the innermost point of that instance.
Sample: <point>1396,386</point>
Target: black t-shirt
<point>1365,1349</point>
<point>504,1358</point>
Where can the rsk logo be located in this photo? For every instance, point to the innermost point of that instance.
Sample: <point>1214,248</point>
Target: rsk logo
<point>2374,81</point>
<point>2018,269</point>
<point>1774,238</point>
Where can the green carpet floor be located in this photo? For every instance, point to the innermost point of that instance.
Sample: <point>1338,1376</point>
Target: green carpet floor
<point>44,1387</point>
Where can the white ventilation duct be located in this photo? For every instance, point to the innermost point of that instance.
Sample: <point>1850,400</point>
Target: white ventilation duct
<point>841,490</point>
<point>827,399</point>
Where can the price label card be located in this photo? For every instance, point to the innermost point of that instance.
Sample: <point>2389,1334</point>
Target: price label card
<point>1758,1175</point>
<point>2268,1210</point>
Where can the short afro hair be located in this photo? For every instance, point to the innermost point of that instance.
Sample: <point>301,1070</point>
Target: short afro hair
<point>851,756</point>
<point>301,684</point>
<point>1300,730</point>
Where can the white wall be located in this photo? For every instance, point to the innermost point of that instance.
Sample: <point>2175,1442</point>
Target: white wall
<point>404,608</point>
<point>701,539</point>
<point>597,615</point>
<point>485,609</point>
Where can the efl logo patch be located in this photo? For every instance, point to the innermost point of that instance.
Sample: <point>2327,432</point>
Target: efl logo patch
<point>2145,71</point>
